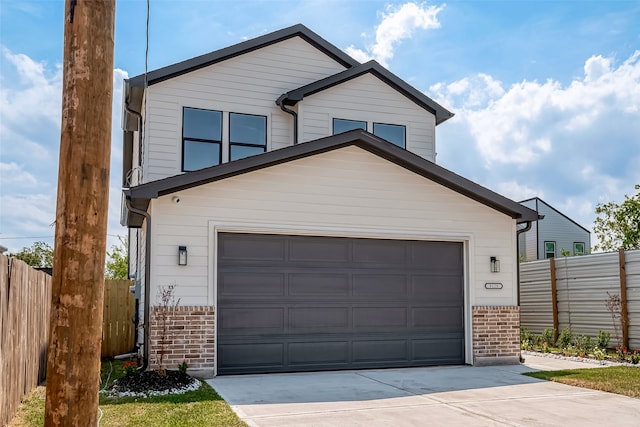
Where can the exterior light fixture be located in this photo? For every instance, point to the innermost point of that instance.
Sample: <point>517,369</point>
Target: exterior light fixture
<point>495,265</point>
<point>182,255</point>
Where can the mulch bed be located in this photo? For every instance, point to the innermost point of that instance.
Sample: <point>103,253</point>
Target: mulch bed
<point>152,383</point>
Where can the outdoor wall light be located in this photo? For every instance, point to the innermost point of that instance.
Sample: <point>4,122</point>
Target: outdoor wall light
<point>495,265</point>
<point>182,255</point>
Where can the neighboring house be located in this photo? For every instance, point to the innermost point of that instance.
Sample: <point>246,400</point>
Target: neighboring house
<point>552,236</point>
<point>290,194</point>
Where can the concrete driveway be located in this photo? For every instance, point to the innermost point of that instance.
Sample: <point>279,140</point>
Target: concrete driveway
<point>447,396</point>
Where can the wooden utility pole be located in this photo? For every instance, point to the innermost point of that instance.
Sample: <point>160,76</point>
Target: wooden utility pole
<point>73,365</point>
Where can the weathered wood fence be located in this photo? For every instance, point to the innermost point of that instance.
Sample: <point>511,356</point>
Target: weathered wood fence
<point>572,292</point>
<point>118,330</point>
<point>25,309</point>
<point>25,305</point>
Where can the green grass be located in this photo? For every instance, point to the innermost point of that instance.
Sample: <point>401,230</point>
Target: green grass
<point>615,379</point>
<point>202,407</point>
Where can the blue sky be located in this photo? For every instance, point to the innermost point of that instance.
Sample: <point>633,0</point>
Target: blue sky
<point>546,93</point>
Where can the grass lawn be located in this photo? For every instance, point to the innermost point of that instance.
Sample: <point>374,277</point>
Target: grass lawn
<point>615,379</point>
<point>202,407</point>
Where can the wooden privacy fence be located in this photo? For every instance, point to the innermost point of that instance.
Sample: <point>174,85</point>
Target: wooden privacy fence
<point>118,330</point>
<point>572,292</point>
<point>25,306</point>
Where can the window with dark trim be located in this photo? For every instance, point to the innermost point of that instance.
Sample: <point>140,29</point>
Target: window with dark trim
<point>247,135</point>
<point>549,249</point>
<point>201,138</point>
<point>578,248</point>
<point>395,134</point>
<point>344,125</point>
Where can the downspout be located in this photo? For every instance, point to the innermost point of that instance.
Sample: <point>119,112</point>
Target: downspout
<point>139,117</point>
<point>147,273</point>
<point>518,233</point>
<point>280,102</point>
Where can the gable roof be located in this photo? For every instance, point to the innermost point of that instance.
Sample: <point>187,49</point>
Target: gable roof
<point>372,67</point>
<point>555,210</point>
<point>141,195</point>
<point>299,30</point>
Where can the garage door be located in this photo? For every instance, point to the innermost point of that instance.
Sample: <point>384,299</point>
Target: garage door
<point>300,303</point>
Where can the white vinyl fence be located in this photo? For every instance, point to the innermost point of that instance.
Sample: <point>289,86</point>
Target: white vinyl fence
<point>582,286</point>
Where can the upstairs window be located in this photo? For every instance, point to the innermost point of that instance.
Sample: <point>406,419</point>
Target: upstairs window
<point>201,138</point>
<point>578,248</point>
<point>395,134</point>
<point>247,135</point>
<point>549,249</point>
<point>343,125</point>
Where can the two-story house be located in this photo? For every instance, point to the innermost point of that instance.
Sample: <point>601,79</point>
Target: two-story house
<point>553,236</point>
<point>292,197</point>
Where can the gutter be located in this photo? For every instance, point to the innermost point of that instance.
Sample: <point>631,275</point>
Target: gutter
<point>280,103</point>
<point>147,291</point>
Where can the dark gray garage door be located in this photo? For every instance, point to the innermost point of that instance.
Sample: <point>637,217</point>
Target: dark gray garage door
<point>299,303</point>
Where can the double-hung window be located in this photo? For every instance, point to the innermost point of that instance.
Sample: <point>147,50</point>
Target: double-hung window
<point>395,134</point>
<point>549,249</point>
<point>578,248</point>
<point>343,125</point>
<point>247,135</point>
<point>201,138</point>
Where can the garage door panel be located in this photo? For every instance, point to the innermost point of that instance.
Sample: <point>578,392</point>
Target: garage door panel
<point>232,284</point>
<point>378,351</point>
<point>324,303</point>
<point>251,355</point>
<point>255,318</point>
<point>312,354</point>
<point>380,285</point>
<point>437,288</point>
<point>437,349</point>
<point>320,284</point>
<point>329,319</point>
<point>437,318</point>
<point>443,256</point>
<point>318,249</point>
<point>380,252</point>
<point>379,318</point>
<point>251,247</point>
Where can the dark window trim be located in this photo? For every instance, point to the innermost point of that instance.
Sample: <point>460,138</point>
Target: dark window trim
<point>333,123</point>
<point>393,124</point>
<point>555,248</point>
<point>208,141</point>
<point>584,248</point>
<point>244,144</point>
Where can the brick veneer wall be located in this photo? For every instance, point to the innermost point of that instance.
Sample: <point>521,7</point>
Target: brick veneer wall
<point>496,335</point>
<point>189,336</point>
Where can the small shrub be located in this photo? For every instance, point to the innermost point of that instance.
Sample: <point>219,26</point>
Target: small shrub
<point>599,353</point>
<point>548,336</point>
<point>635,357</point>
<point>525,335</point>
<point>566,338</point>
<point>183,367</point>
<point>603,339</point>
<point>130,368</point>
<point>583,344</point>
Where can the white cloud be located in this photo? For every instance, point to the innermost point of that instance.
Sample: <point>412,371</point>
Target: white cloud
<point>398,23</point>
<point>574,145</point>
<point>30,106</point>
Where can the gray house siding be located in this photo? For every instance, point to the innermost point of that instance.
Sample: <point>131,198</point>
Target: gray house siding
<point>555,228</point>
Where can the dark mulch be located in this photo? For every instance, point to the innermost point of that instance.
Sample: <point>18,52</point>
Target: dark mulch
<point>147,381</point>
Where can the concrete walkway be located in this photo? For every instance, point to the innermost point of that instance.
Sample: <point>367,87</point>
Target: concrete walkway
<point>447,396</point>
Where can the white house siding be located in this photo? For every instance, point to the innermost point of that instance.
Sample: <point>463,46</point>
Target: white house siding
<point>346,192</point>
<point>248,83</point>
<point>369,99</point>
